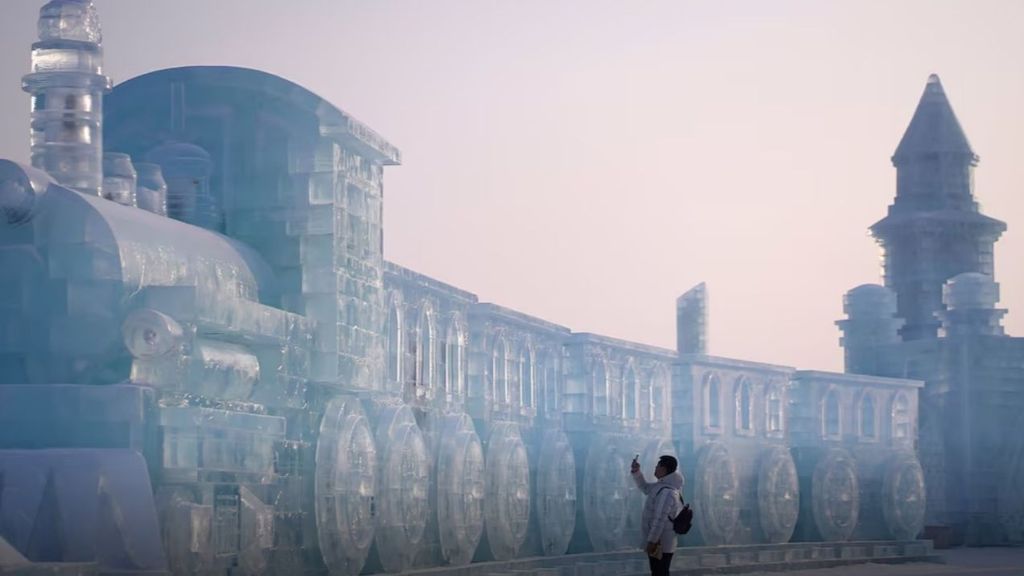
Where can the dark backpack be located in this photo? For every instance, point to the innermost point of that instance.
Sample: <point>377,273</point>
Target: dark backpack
<point>683,521</point>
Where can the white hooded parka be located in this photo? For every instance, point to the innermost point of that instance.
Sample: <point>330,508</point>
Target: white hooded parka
<point>661,506</point>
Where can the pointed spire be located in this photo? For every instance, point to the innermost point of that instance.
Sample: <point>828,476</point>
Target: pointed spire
<point>934,128</point>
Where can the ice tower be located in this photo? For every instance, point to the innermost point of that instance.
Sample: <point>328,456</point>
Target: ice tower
<point>934,229</point>
<point>937,320</point>
<point>67,85</point>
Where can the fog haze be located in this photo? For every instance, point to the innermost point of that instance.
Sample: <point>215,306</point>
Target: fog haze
<point>588,161</point>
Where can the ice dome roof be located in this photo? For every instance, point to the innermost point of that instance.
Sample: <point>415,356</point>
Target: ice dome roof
<point>970,290</point>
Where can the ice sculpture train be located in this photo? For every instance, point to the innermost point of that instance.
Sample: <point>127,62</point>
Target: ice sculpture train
<point>205,357</point>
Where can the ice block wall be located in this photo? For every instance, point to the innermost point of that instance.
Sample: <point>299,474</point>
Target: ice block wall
<point>297,179</point>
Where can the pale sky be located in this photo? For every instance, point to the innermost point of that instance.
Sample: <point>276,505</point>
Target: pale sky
<point>587,161</point>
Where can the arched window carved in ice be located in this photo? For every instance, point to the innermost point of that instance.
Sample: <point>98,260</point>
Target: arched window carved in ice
<point>614,393</point>
<point>660,404</point>
<point>743,396</point>
<point>551,371</point>
<point>514,375</point>
<point>775,412</point>
<point>712,400</point>
<point>499,373</point>
<point>395,343</point>
<point>646,401</point>
<point>901,419</point>
<point>426,335</point>
<point>630,392</point>
<point>599,386</point>
<point>867,417</point>
<point>454,360</point>
<point>527,379</point>
<point>831,415</point>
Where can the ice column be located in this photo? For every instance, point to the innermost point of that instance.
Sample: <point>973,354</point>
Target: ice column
<point>692,320</point>
<point>67,86</point>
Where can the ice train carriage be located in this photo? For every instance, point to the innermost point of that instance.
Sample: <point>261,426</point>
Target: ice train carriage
<point>516,364</point>
<point>426,360</point>
<point>615,405</point>
<point>775,454</point>
<point>730,427</point>
<point>501,399</point>
<point>854,439</point>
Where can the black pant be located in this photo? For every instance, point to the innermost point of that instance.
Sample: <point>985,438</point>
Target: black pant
<point>660,567</point>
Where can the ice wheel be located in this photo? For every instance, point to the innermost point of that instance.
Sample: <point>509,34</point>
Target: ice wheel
<point>778,495</point>
<point>345,486</point>
<point>460,489</point>
<point>903,497</point>
<point>556,493</point>
<point>716,510</point>
<point>402,487</point>
<point>835,496</point>
<point>605,491</point>
<point>507,505</point>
